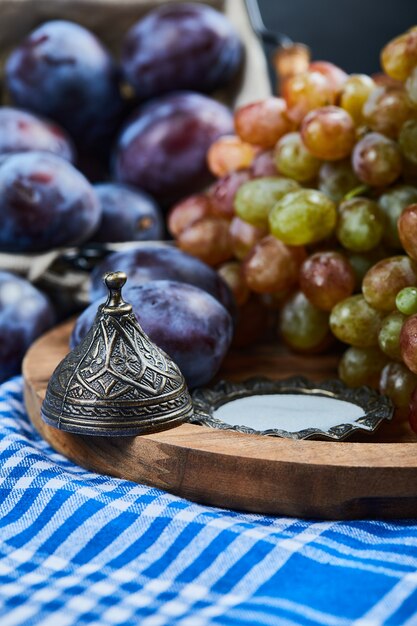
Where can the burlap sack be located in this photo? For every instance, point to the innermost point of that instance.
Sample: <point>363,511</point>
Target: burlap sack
<point>57,270</point>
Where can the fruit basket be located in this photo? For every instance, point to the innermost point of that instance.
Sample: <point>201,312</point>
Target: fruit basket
<point>363,477</point>
<point>63,272</point>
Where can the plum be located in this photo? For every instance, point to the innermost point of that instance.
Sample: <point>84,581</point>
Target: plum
<point>153,262</point>
<point>191,326</point>
<point>21,131</point>
<point>44,203</point>
<point>127,215</point>
<point>62,70</point>
<point>25,313</point>
<point>182,46</point>
<point>163,148</point>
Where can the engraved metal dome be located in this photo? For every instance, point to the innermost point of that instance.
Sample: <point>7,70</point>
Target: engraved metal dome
<point>116,381</point>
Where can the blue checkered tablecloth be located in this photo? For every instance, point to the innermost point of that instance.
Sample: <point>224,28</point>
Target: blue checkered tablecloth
<point>79,548</point>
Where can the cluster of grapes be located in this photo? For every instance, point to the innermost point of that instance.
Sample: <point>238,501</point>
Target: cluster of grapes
<point>313,213</point>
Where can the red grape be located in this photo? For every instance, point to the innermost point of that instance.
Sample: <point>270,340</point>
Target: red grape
<point>385,279</point>
<point>229,154</point>
<point>186,212</point>
<point>326,278</point>
<point>335,75</point>
<point>244,236</point>
<point>328,133</point>
<point>262,123</point>
<point>264,165</point>
<point>272,266</point>
<point>386,110</point>
<point>408,342</point>
<point>207,239</point>
<point>398,383</point>
<point>407,230</point>
<point>307,91</point>
<point>376,160</point>
<point>222,193</point>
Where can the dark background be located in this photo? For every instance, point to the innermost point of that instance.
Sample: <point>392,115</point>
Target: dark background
<point>349,33</point>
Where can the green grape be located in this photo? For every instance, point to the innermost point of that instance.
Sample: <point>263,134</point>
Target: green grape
<point>399,56</point>
<point>392,203</point>
<point>389,335</point>
<point>355,92</point>
<point>385,279</point>
<point>353,321</point>
<point>406,301</point>
<point>398,383</point>
<point>360,225</point>
<point>337,178</point>
<point>294,160</point>
<point>411,87</point>
<point>362,366</point>
<point>303,217</point>
<point>255,198</point>
<point>304,327</point>
<point>408,140</point>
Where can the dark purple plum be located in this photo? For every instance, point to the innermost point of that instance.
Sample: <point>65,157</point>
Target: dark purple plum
<point>191,326</point>
<point>25,313</point>
<point>182,46</point>
<point>163,148</point>
<point>62,70</point>
<point>21,131</point>
<point>128,214</point>
<point>44,203</point>
<point>152,262</point>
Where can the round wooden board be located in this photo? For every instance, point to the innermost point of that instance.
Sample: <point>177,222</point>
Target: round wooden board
<point>369,477</point>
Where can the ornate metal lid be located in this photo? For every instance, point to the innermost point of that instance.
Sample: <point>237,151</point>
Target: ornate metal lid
<point>116,381</point>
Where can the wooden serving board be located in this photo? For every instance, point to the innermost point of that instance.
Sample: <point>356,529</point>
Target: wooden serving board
<point>369,477</point>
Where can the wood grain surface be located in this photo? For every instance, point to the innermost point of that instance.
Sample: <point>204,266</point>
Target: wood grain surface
<point>368,477</point>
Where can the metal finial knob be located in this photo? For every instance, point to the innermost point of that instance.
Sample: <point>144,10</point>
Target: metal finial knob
<point>115,304</point>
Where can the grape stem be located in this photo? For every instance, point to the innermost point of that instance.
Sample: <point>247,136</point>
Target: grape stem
<point>357,191</point>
